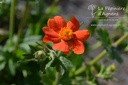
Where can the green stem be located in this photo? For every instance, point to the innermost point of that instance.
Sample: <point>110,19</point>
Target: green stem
<point>80,70</point>
<point>121,39</point>
<point>101,55</point>
<point>96,45</point>
<point>57,78</point>
<point>22,23</point>
<point>11,26</point>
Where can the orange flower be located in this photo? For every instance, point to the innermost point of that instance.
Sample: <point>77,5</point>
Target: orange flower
<point>65,37</point>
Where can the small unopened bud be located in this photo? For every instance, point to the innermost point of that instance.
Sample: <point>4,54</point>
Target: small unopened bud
<point>39,55</point>
<point>111,68</point>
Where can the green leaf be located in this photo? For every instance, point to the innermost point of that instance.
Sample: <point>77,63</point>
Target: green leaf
<point>104,38</point>
<point>66,79</point>
<point>67,63</point>
<point>11,66</point>
<point>10,47</point>
<point>76,60</point>
<point>20,53</point>
<point>60,69</point>
<point>29,40</point>
<point>33,48</point>
<point>115,55</point>
<point>28,56</point>
<point>43,64</point>
<point>2,61</point>
<point>2,65</point>
<point>49,77</point>
<point>49,64</point>
<point>92,27</point>
<point>59,66</point>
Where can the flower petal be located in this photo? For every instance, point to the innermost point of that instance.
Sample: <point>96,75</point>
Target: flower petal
<point>51,24</point>
<point>62,46</point>
<point>77,46</point>
<point>56,23</point>
<point>82,34</point>
<point>49,32</point>
<point>60,21</point>
<point>50,35</point>
<point>50,39</point>
<point>46,39</point>
<point>73,24</point>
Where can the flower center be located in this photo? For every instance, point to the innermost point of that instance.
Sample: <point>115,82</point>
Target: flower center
<point>66,33</point>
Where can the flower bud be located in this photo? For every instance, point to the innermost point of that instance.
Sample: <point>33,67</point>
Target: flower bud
<point>111,68</point>
<point>39,55</point>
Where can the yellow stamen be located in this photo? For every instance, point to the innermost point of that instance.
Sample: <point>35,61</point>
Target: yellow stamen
<point>66,33</point>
